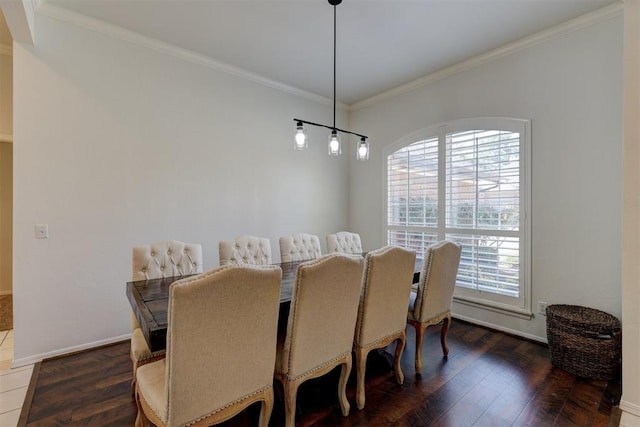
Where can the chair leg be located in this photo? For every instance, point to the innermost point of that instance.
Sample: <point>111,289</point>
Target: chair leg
<point>443,335</point>
<point>400,342</point>
<point>265,409</point>
<point>420,328</point>
<point>290,394</point>
<point>361,367</point>
<point>342,392</point>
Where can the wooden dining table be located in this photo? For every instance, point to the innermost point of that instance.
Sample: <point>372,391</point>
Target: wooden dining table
<point>149,300</point>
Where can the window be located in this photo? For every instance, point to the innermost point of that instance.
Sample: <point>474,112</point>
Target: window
<point>467,181</point>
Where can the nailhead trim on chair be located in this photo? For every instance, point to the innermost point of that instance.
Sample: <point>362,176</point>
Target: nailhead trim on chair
<point>324,365</point>
<point>245,397</point>
<point>295,313</point>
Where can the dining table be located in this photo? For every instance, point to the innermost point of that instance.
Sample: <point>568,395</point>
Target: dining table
<point>149,301</point>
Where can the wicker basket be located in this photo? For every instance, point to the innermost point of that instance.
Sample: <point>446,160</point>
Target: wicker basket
<point>584,341</point>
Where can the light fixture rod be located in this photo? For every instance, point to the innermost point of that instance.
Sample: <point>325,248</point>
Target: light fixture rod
<point>362,153</point>
<point>330,127</point>
<point>334,64</point>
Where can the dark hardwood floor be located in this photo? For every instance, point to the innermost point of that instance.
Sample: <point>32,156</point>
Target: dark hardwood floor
<point>489,379</point>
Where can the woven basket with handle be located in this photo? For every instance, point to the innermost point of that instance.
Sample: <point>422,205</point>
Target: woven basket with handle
<point>584,341</point>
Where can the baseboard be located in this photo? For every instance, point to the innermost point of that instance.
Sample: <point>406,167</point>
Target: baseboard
<point>501,328</point>
<point>630,414</point>
<point>66,351</point>
<point>6,293</point>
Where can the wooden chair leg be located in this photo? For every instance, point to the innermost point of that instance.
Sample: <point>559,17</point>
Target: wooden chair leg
<point>342,386</point>
<point>443,336</point>
<point>361,367</point>
<point>265,409</point>
<point>420,328</point>
<point>400,343</point>
<point>290,394</point>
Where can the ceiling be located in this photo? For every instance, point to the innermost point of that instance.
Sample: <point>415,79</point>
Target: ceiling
<point>381,44</point>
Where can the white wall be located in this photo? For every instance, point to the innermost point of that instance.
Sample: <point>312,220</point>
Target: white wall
<point>6,170</point>
<point>115,145</point>
<point>6,214</point>
<point>571,89</point>
<point>630,401</point>
<point>6,93</point>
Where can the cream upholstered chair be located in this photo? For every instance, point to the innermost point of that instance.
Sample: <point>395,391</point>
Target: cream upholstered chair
<point>321,323</point>
<point>345,242</point>
<point>245,250</point>
<point>431,304</point>
<point>299,247</point>
<point>215,365</point>
<point>168,258</point>
<point>386,285</point>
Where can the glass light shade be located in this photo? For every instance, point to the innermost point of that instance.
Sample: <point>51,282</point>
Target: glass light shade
<point>334,144</point>
<point>362,152</point>
<point>300,140</point>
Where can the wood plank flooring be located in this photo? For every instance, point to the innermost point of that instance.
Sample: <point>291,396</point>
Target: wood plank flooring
<point>489,379</point>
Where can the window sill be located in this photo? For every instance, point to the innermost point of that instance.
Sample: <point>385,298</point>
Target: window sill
<point>495,307</point>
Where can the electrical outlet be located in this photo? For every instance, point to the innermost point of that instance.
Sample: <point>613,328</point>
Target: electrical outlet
<point>542,308</point>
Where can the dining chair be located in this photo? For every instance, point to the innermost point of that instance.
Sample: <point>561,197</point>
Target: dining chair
<point>158,260</point>
<point>215,366</point>
<point>320,327</point>
<point>245,250</point>
<point>386,285</point>
<point>345,242</point>
<point>431,303</point>
<point>299,247</point>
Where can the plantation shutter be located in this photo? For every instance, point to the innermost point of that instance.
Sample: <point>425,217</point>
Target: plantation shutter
<point>412,195</point>
<point>482,208</point>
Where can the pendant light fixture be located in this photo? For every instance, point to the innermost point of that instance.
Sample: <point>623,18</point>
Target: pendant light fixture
<point>300,140</point>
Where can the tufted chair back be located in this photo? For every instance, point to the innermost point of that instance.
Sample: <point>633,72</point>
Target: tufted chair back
<point>155,261</point>
<point>166,259</point>
<point>299,247</point>
<point>345,242</point>
<point>245,250</point>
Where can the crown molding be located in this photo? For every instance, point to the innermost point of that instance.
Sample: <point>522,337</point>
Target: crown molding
<point>98,26</point>
<point>583,21</point>
<point>6,50</point>
<point>92,24</point>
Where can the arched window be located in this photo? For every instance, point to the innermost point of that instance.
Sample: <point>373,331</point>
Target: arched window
<point>467,181</point>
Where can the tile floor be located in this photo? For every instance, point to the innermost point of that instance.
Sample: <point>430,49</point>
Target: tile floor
<point>13,382</point>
